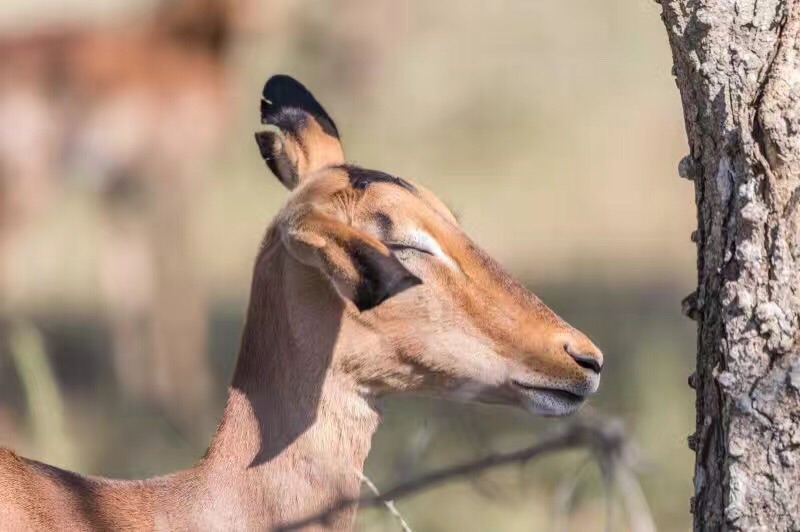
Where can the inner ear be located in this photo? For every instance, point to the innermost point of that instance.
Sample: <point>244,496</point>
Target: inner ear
<point>302,138</point>
<point>277,155</point>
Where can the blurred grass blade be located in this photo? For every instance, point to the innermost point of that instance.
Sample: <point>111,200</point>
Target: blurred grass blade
<point>45,405</point>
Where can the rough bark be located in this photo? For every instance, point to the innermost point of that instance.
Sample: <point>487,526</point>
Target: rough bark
<point>737,66</point>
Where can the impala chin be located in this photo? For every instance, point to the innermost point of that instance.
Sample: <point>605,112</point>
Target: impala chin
<point>553,400</point>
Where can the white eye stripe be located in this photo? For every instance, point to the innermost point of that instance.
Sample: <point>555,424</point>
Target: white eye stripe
<point>423,241</point>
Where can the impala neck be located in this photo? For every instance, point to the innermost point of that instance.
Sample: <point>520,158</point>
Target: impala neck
<point>295,434</point>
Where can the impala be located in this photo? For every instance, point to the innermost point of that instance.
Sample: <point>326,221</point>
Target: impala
<point>364,286</point>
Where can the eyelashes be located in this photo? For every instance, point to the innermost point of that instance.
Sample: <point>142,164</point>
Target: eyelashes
<point>395,246</point>
<point>417,243</point>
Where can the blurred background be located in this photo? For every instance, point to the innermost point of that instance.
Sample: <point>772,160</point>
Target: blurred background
<point>133,200</point>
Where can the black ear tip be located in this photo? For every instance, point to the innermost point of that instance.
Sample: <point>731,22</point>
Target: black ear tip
<point>280,85</point>
<point>284,92</point>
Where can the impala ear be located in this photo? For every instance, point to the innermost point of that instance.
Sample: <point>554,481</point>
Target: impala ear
<point>360,267</point>
<point>302,139</point>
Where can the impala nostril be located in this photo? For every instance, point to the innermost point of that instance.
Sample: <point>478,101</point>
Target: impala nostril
<point>584,360</point>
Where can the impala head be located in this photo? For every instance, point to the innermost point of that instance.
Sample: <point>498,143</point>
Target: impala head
<point>423,308</point>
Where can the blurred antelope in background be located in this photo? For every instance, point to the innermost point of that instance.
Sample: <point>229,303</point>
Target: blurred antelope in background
<point>364,286</point>
<point>137,109</point>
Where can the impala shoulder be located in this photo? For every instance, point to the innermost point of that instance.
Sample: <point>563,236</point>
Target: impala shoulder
<point>14,476</point>
<point>22,505</point>
<point>14,470</point>
<point>10,459</point>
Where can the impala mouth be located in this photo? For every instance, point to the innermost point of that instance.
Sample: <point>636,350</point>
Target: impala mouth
<point>547,401</point>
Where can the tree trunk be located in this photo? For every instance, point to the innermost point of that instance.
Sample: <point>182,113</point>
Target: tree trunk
<point>737,64</point>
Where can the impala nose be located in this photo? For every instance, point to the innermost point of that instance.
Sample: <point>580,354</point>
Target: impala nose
<point>586,356</point>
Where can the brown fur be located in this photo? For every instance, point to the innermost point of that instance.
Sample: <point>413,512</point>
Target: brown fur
<point>302,406</point>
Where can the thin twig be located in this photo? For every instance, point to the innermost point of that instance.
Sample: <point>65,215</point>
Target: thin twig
<point>389,504</point>
<point>639,515</point>
<point>565,495</point>
<point>608,500</point>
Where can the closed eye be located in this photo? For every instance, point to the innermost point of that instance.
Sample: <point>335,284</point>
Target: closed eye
<point>395,246</point>
<point>418,241</point>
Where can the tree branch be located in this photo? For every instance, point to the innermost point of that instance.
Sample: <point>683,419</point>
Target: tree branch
<point>604,438</point>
